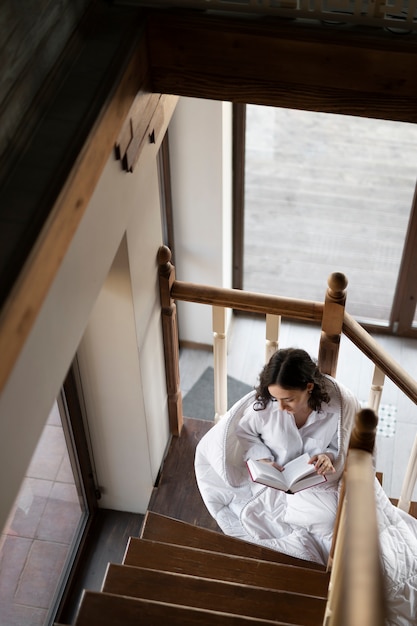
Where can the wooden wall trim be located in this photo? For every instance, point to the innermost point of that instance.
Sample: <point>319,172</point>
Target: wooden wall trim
<point>32,286</point>
<point>405,298</point>
<point>285,63</point>
<point>239,158</point>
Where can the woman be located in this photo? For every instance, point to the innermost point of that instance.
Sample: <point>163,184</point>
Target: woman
<point>295,409</point>
<point>293,380</point>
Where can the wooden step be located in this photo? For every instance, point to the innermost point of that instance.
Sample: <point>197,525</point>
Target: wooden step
<point>203,593</point>
<point>231,568</point>
<point>162,528</point>
<point>104,609</point>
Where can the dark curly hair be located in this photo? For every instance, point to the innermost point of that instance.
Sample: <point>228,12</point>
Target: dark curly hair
<point>291,368</point>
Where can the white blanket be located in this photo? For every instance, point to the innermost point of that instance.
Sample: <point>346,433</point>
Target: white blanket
<point>301,525</point>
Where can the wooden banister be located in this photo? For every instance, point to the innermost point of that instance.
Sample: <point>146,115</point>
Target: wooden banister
<point>363,600</point>
<point>332,323</point>
<point>410,479</point>
<point>273,326</point>
<point>377,388</point>
<point>170,335</point>
<point>332,316</point>
<point>356,563</point>
<point>364,431</point>
<point>367,344</point>
<point>220,362</point>
<point>293,308</point>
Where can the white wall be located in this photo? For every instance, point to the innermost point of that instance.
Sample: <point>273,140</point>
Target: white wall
<point>201,166</point>
<point>114,303</point>
<point>121,354</point>
<point>122,203</point>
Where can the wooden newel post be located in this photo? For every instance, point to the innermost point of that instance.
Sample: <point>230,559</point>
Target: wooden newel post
<point>332,323</point>
<point>364,431</point>
<point>170,336</point>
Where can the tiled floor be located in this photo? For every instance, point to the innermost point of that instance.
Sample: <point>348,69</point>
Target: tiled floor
<point>38,536</point>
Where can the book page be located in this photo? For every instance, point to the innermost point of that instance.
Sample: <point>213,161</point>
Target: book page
<point>308,481</point>
<point>266,474</point>
<point>298,468</point>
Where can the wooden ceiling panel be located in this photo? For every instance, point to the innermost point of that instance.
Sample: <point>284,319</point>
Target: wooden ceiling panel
<point>284,63</point>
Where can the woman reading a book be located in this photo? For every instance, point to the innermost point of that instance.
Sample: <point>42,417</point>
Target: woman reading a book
<point>294,411</point>
<point>294,382</point>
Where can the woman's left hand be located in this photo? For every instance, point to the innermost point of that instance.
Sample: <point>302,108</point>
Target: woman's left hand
<point>323,463</point>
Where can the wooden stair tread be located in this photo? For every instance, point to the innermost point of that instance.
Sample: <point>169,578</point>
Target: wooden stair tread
<point>231,568</point>
<point>203,593</point>
<point>159,527</point>
<point>104,609</point>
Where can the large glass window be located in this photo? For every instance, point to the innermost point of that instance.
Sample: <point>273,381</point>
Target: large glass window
<point>43,530</point>
<point>327,193</point>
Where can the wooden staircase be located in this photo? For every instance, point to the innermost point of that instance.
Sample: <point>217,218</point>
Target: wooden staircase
<point>180,574</point>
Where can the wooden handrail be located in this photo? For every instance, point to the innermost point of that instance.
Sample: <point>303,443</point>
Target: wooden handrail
<point>253,302</point>
<point>363,433</point>
<point>334,321</point>
<point>364,598</point>
<point>367,344</point>
<point>294,308</point>
<point>356,595</point>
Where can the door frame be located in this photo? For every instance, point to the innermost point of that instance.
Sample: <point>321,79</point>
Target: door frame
<point>81,458</point>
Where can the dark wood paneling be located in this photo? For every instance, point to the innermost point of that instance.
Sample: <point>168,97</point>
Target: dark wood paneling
<point>33,36</point>
<point>114,73</point>
<point>284,63</point>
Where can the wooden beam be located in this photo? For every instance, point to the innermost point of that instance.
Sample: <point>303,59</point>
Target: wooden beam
<point>284,63</point>
<point>31,288</point>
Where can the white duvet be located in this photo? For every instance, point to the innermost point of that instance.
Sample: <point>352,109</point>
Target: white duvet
<point>301,525</point>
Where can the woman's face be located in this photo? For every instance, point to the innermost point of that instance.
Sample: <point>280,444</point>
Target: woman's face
<point>291,400</point>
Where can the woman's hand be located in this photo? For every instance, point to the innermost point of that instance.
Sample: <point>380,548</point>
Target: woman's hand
<point>323,463</point>
<point>269,462</point>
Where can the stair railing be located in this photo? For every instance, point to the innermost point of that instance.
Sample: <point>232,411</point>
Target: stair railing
<point>331,315</point>
<point>356,592</point>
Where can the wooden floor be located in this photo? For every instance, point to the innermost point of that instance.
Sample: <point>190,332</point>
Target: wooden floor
<point>177,494</point>
<point>106,543</point>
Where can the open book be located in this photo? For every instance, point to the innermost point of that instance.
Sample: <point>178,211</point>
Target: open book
<point>298,474</point>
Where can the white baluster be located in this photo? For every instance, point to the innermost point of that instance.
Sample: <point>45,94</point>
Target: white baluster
<point>272,328</point>
<point>410,479</point>
<point>220,362</point>
<point>377,388</point>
